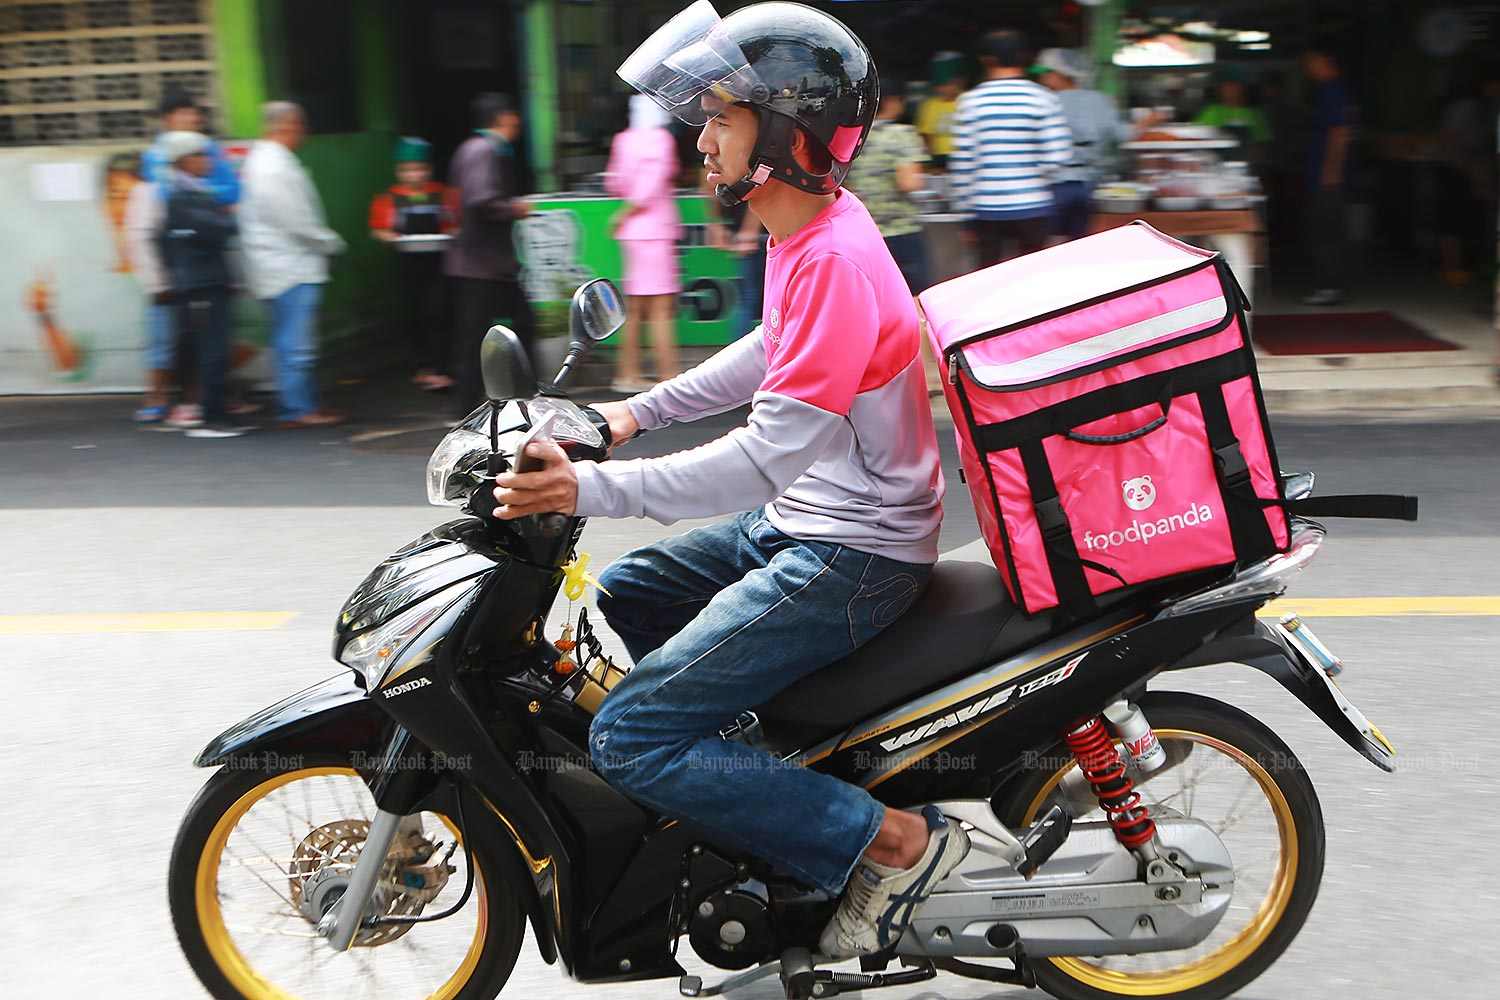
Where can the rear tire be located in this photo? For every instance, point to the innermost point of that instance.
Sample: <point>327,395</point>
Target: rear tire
<point>207,940</point>
<point>1212,731</point>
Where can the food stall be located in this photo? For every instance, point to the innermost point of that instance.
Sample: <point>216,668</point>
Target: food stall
<point>1181,185</point>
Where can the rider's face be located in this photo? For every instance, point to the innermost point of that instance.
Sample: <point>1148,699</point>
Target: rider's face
<point>727,141</point>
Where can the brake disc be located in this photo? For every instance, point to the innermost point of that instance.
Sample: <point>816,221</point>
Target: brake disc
<point>323,864</point>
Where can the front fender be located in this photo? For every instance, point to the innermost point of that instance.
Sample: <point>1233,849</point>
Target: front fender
<point>1257,644</point>
<point>334,715</point>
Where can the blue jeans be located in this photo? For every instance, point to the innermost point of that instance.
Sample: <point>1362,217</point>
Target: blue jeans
<point>719,620</point>
<point>752,290</point>
<point>294,342</point>
<point>210,334</point>
<point>1072,202</point>
<point>161,336</point>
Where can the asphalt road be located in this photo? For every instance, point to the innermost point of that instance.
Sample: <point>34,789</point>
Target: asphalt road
<point>97,518</point>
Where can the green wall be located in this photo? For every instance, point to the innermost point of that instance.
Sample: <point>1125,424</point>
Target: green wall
<point>348,169</point>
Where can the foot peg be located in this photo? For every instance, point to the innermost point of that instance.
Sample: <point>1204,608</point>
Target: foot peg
<point>1043,839</point>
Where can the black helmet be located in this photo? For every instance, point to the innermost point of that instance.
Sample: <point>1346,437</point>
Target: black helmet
<point>795,66</point>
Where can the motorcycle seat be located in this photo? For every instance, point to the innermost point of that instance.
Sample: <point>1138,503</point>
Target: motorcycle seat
<point>964,620</point>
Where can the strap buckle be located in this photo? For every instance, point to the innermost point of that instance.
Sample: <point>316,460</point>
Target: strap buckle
<point>1232,466</point>
<point>1052,519</point>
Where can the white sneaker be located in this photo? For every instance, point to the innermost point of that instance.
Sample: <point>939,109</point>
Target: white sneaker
<point>879,901</point>
<point>215,431</point>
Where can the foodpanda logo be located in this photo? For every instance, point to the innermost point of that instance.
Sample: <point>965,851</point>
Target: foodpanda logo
<point>1139,493</point>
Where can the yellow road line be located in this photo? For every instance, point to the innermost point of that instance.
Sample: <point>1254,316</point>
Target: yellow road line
<point>261,621</point>
<point>182,621</point>
<point>1375,607</point>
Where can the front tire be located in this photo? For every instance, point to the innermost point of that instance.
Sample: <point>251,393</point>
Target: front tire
<point>252,937</point>
<point>1217,745</point>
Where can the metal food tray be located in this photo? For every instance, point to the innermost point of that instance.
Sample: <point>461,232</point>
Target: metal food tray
<point>1178,145</point>
<point>421,242</point>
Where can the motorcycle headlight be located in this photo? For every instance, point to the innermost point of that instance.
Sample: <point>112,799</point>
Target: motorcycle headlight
<point>461,450</point>
<point>457,463</point>
<point>375,652</point>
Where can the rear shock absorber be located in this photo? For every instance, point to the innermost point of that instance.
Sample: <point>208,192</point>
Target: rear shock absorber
<point>1105,770</point>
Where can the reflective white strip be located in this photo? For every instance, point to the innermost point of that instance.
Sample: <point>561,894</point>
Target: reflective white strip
<point>1097,348</point>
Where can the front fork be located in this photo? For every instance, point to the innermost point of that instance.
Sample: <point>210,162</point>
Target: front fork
<point>399,783</point>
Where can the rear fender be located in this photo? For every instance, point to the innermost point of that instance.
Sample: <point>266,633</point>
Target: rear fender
<point>1259,645</point>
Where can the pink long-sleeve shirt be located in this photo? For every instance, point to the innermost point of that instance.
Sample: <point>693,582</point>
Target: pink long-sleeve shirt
<point>642,166</point>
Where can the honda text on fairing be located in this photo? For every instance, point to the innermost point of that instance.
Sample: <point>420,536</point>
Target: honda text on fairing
<point>391,831</point>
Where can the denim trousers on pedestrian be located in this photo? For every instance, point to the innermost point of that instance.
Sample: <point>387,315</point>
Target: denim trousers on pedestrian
<point>718,620</point>
<point>161,336</point>
<point>294,343</point>
<point>204,316</point>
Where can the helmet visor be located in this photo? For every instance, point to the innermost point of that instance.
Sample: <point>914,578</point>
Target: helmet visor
<point>692,67</point>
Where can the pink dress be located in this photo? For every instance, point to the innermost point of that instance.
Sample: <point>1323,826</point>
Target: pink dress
<point>642,166</point>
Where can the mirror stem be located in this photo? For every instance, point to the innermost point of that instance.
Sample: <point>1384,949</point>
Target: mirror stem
<point>567,367</point>
<point>492,467</point>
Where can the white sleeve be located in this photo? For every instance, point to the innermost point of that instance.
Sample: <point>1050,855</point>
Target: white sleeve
<point>724,381</point>
<point>744,469</point>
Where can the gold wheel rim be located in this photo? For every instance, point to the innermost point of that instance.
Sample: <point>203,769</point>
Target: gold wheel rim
<point>1238,948</point>
<point>226,955</point>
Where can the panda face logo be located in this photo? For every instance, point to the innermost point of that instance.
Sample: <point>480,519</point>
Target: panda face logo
<point>1139,493</point>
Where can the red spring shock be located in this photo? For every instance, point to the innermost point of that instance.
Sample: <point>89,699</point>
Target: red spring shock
<point>1105,770</point>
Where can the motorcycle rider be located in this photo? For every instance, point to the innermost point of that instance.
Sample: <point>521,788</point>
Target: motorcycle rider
<point>839,447</point>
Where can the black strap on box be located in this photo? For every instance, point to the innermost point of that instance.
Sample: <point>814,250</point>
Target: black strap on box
<point>1063,560</point>
<point>1248,528</point>
<point>1379,506</point>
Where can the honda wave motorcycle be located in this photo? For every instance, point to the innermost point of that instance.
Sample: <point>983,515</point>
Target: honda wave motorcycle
<point>391,831</point>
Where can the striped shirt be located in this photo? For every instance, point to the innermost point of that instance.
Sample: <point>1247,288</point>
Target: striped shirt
<point>1009,140</point>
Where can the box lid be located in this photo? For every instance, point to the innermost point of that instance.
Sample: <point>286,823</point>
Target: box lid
<point>1054,280</point>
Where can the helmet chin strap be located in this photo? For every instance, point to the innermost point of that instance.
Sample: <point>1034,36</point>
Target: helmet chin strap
<point>730,195</point>
<point>773,145</point>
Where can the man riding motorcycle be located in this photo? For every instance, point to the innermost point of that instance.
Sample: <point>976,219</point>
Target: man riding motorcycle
<point>839,447</point>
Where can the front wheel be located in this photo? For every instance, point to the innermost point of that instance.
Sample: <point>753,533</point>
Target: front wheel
<point>264,852</point>
<point>1236,775</point>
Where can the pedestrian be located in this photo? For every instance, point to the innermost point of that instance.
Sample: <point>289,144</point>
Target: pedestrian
<point>1330,169</point>
<point>415,206</point>
<point>641,171</point>
<point>484,188</point>
<point>934,120</point>
<point>1232,111</point>
<point>287,245</point>
<point>838,462</point>
<point>145,213</point>
<point>195,229</point>
<point>177,111</point>
<point>890,171</point>
<point>1009,141</point>
<point>1096,125</point>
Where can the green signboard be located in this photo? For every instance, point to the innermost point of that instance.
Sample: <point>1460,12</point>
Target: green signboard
<point>565,242</point>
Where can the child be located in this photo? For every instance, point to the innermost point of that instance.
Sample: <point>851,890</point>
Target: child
<point>194,232</point>
<point>413,206</point>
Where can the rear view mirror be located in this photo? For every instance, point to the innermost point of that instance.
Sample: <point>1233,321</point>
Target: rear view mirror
<point>504,366</point>
<point>598,311</point>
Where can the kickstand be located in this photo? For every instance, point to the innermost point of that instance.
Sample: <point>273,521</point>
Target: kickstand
<point>802,981</point>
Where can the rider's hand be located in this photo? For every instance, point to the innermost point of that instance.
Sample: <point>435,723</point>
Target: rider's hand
<point>551,490</point>
<point>622,424</point>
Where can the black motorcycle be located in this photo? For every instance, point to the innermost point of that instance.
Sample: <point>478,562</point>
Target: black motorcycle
<point>392,830</point>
